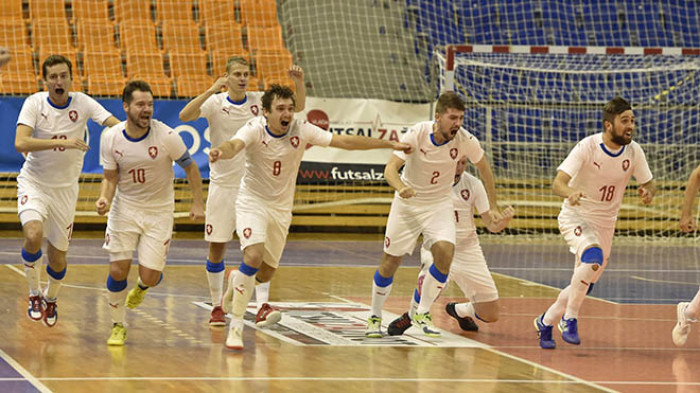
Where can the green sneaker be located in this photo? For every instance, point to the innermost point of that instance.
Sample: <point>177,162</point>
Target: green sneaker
<point>118,336</point>
<point>425,323</point>
<point>374,327</point>
<point>135,297</point>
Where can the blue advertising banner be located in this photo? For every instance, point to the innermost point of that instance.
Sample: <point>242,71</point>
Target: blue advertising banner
<point>195,134</point>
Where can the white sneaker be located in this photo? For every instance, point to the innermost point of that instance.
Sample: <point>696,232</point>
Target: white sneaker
<point>425,323</point>
<point>682,328</point>
<point>234,340</point>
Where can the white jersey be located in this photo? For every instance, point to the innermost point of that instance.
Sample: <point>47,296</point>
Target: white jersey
<point>225,117</point>
<point>603,176</point>
<point>467,194</point>
<point>430,168</point>
<point>272,162</point>
<point>145,166</point>
<point>58,167</point>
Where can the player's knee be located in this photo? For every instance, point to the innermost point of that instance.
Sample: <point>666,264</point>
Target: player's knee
<point>389,265</point>
<point>593,256</point>
<point>443,252</point>
<point>34,235</point>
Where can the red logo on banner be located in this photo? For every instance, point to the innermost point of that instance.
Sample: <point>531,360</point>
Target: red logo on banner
<point>318,118</point>
<point>73,116</point>
<point>153,152</point>
<point>247,232</point>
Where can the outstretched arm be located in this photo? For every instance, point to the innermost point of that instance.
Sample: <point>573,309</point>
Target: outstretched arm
<point>226,150</point>
<point>354,142</point>
<point>561,188</point>
<point>691,191</point>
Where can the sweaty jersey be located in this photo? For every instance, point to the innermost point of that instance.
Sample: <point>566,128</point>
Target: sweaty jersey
<point>225,117</point>
<point>58,167</point>
<point>602,176</point>
<point>468,193</point>
<point>144,165</point>
<point>272,162</point>
<point>430,168</point>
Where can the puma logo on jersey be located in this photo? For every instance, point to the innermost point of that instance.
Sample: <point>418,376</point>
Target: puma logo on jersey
<point>264,143</point>
<point>225,110</point>
<point>596,164</point>
<point>44,116</point>
<point>121,155</point>
<point>424,152</point>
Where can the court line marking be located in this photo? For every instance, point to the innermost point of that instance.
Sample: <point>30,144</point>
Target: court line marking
<point>662,281</point>
<point>23,372</point>
<point>529,283</point>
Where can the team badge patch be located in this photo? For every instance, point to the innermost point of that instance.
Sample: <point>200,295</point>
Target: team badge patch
<point>247,232</point>
<point>625,165</point>
<point>254,110</point>
<point>23,200</point>
<point>73,115</point>
<point>578,230</point>
<point>294,141</point>
<point>209,229</point>
<point>153,152</point>
<point>465,194</point>
<point>453,153</point>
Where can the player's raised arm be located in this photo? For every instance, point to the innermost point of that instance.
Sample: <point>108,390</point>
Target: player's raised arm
<point>107,190</point>
<point>354,142</point>
<point>226,150</point>
<point>297,75</point>
<point>191,111</point>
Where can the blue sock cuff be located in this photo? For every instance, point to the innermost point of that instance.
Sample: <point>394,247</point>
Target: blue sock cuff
<point>29,257</point>
<point>247,270</point>
<point>54,274</point>
<point>114,285</point>
<point>159,278</point>
<point>437,274</point>
<point>416,296</point>
<point>382,281</point>
<point>216,267</point>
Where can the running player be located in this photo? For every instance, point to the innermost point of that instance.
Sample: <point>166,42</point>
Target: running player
<point>274,146</point>
<point>592,181</point>
<point>226,112</point>
<point>51,132</point>
<point>137,190</point>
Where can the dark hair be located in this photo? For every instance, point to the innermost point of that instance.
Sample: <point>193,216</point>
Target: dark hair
<point>614,107</point>
<point>54,60</point>
<point>131,86</point>
<point>276,91</point>
<point>449,99</point>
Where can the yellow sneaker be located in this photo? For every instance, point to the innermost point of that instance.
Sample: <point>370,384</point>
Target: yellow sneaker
<point>118,336</point>
<point>135,297</point>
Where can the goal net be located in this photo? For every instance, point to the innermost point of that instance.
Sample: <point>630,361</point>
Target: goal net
<point>529,109</point>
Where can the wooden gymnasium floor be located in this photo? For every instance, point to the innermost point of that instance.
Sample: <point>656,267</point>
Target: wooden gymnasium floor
<point>323,287</point>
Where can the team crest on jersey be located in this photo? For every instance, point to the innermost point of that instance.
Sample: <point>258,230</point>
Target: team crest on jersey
<point>73,115</point>
<point>23,200</point>
<point>625,165</point>
<point>294,141</point>
<point>453,153</point>
<point>387,241</point>
<point>465,194</point>
<point>578,230</point>
<point>153,152</point>
<point>247,232</point>
<point>209,229</point>
<point>254,110</point>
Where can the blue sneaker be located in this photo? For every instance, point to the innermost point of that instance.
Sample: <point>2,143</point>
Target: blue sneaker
<point>545,333</point>
<point>569,330</point>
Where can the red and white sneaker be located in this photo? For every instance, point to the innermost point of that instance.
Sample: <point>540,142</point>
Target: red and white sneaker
<point>35,312</point>
<point>50,313</point>
<point>267,316</point>
<point>218,317</point>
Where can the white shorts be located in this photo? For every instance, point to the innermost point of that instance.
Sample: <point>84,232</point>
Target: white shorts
<point>408,219</point>
<point>221,213</point>
<point>56,206</point>
<point>147,232</point>
<point>581,234</point>
<point>469,271</point>
<point>258,222</point>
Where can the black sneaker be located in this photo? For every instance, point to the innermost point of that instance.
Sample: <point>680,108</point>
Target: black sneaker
<point>467,324</point>
<point>399,325</point>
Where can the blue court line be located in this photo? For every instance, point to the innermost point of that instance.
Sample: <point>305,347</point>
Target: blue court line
<point>15,378</point>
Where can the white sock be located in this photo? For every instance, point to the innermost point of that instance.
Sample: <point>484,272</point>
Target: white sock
<point>262,294</point>
<point>116,305</point>
<point>693,309</point>
<point>430,290</point>
<point>216,286</point>
<point>379,296</point>
<point>52,289</point>
<point>556,310</point>
<point>243,285</point>
<point>33,271</point>
<point>580,281</point>
<point>465,310</point>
